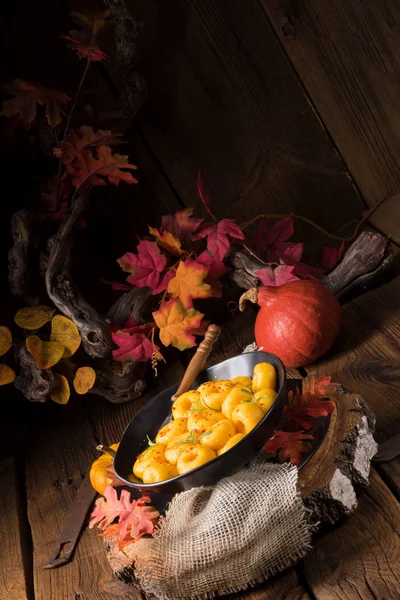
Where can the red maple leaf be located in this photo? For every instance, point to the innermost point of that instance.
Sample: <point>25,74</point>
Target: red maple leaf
<point>278,276</point>
<point>205,199</point>
<point>146,267</point>
<point>181,225</point>
<point>27,96</point>
<point>122,518</point>
<point>331,257</point>
<point>292,444</point>
<point>309,404</point>
<point>217,236</point>
<point>77,43</point>
<point>216,269</point>
<point>116,285</point>
<point>88,169</point>
<point>131,346</point>
<point>274,241</point>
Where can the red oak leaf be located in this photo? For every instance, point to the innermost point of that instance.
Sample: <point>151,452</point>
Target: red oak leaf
<point>132,346</point>
<point>176,324</point>
<point>188,283</point>
<point>167,241</point>
<point>205,199</point>
<point>122,518</point>
<point>278,276</point>
<point>27,96</point>
<point>292,444</point>
<point>87,169</point>
<point>181,225</point>
<point>147,267</point>
<point>77,43</point>
<point>331,257</point>
<point>217,236</point>
<point>274,241</point>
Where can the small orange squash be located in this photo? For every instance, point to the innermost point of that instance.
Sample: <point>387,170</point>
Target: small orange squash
<point>98,471</point>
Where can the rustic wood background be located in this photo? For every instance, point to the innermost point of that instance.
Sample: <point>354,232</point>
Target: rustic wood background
<point>285,106</point>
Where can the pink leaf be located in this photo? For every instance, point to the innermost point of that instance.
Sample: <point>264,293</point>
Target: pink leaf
<point>132,346</point>
<point>146,266</point>
<point>292,255</point>
<point>331,257</point>
<point>217,236</point>
<point>181,225</point>
<point>275,277</point>
<point>111,507</point>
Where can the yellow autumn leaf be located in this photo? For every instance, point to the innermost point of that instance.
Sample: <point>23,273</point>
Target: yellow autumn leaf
<point>7,375</point>
<point>60,392</point>
<point>46,354</point>
<point>64,331</point>
<point>5,340</point>
<point>34,317</point>
<point>84,380</point>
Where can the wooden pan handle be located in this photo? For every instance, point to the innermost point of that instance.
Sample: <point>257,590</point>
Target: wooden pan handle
<point>199,360</point>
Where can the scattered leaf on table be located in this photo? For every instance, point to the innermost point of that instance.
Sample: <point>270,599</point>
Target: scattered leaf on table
<point>5,340</point>
<point>7,374</point>
<point>88,169</point>
<point>188,283</point>
<point>46,354</point>
<point>177,324</point>
<point>217,236</point>
<point>95,20</point>
<point>64,331</point>
<point>182,224</point>
<point>276,277</point>
<point>291,444</point>
<point>60,392</point>
<point>132,346</point>
<point>146,267</point>
<point>77,43</point>
<point>167,241</point>
<point>34,317</point>
<point>83,139</point>
<point>27,96</point>
<point>84,380</point>
<point>134,518</point>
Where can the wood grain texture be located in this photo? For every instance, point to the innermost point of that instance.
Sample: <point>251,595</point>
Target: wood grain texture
<point>347,55</point>
<point>390,472</point>
<point>361,559</point>
<point>223,98</point>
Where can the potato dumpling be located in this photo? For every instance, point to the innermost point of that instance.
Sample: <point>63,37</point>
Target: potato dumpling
<point>218,435</point>
<point>171,430</point>
<point>201,421</point>
<point>264,376</point>
<point>230,443</point>
<point>184,403</point>
<point>235,396</point>
<point>246,416</point>
<point>265,398</point>
<point>242,381</point>
<point>155,473</point>
<point>177,445</point>
<point>194,457</point>
<point>153,454</point>
<point>213,394</point>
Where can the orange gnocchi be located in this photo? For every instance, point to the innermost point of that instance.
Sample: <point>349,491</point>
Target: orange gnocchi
<point>206,423</point>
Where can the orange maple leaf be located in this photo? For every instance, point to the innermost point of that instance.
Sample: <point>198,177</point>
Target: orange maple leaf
<point>188,283</point>
<point>28,96</point>
<point>177,324</point>
<point>167,241</point>
<point>88,169</point>
<point>86,137</point>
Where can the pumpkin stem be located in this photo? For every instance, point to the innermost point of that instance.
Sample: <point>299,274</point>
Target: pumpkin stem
<point>251,294</point>
<point>106,450</point>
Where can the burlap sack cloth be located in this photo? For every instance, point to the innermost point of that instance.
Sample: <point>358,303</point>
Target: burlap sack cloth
<point>222,539</point>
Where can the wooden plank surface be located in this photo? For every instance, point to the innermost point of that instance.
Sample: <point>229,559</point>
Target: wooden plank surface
<point>347,55</point>
<point>223,98</point>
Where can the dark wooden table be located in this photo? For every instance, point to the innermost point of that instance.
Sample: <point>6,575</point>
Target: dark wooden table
<point>54,446</point>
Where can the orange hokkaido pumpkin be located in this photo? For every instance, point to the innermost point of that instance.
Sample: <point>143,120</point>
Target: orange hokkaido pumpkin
<point>98,471</point>
<point>297,321</point>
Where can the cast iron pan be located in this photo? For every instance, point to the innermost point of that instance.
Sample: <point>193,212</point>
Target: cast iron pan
<point>158,412</point>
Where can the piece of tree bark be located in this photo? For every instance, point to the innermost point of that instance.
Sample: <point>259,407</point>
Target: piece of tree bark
<point>329,482</point>
<point>20,273</point>
<point>364,259</point>
<point>35,384</point>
